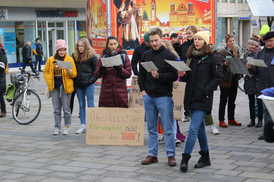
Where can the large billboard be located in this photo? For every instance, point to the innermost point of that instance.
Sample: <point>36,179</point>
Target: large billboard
<point>130,19</point>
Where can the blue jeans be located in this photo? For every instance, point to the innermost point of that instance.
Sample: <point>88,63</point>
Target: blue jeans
<point>153,107</point>
<point>196,129</point>
<point>38,61</point>
<point>82,94</point>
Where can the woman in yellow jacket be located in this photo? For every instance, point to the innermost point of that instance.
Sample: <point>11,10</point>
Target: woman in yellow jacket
<point>59,80</point>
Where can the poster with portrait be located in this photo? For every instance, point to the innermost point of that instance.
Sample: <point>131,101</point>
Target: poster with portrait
<point>96,24</point>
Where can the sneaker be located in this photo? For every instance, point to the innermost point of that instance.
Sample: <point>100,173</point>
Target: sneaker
<point>160,138</point>
<point>81,130</point>
<point>177,142</point>
<point>187,119</point>
<point>214,130</point>
<point>56,131</point>
<point>66,131</point>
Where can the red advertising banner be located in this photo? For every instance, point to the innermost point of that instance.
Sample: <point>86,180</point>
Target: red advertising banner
<point>130,19</point>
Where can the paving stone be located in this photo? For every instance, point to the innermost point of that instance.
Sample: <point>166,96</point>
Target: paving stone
<point>66,168</point>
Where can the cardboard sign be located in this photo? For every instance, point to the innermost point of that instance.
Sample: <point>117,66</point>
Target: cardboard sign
<point>115,126</point>
<point>178,99</point>
<point>135,99</point>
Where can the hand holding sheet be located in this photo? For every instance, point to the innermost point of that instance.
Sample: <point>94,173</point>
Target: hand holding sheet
<point>256,62</point>
<point>149,66</point>
<point>112,61</point>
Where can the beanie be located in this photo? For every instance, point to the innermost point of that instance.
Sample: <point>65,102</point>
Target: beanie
<point>146,37</point>
<point>265,28</point>
<point>268,35</point>
<point>60,44</point>
<point>204,35</point>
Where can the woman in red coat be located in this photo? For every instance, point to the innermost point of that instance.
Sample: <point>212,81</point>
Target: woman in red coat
<point>114,87</point>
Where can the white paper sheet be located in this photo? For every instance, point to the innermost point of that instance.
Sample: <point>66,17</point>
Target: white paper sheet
<point>64,65</point>
<point>112,61</point>
<point>256,62</point>
<point>149,66</point>
<point>178,65</point>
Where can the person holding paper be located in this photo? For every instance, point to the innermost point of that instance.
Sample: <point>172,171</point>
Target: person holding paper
<point>265,75</point>
<point>60,85</point>
<point>190,31</point>
<point>253,47</point>
<point>3,67</point>
<point>114,86</point>
<point>156,88</point>
<point>85,60</point>
<point>204,77</point>
<point>229,86</point>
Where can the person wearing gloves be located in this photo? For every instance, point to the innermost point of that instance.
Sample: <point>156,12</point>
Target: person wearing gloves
<point>60,85</point>
<point>201,81</point>
<point>114,86</point>
<point>85,61</point>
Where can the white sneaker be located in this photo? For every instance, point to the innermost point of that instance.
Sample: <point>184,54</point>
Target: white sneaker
<point>186,119</point>
<point>81,130</point>
<point>214,130</point>
<point>161,138</point>
<point>56,131</point>
<point>66,131</point>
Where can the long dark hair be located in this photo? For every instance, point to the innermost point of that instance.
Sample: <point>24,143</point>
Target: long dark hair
<point>107,50</point>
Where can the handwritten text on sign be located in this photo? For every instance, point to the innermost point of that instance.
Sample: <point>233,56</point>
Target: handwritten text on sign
<point>115,126</point>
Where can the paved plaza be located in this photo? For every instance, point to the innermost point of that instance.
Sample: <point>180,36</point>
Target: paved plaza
<point>31,153</point>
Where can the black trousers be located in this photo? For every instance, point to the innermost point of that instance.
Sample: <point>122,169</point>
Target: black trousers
<point>29,64</point>
<point>252,107</point>
<point>72,101</point>
<point>228,96</point>
<point>2,103</point>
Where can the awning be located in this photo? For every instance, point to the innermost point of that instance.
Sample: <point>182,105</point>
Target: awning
<point>261,7</point>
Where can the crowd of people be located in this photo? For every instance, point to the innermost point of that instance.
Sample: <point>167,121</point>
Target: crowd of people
<point>210,69</point>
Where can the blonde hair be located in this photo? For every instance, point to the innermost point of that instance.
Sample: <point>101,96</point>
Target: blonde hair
<point>167,44</point>
<point>88,50</point>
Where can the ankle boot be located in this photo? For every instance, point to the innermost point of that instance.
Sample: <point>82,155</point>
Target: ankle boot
<point>204,160</point>
<point>184,162</point>
<point>252,123</point>
<point>259,124</point>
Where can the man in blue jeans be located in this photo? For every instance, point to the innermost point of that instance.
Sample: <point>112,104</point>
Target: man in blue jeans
<point>156,88</point>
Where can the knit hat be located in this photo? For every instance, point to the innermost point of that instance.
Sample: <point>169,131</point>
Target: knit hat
<point>267,36</point>
<point>60,44</point>
<point>204,35</point>
<point>146,37</point>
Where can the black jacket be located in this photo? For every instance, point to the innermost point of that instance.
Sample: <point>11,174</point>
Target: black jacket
<point>3,64</point>
<point>39,49</point>
<point>137,56</point>
<point>250,80</point>
<point>85,72</point>
<point>184,49</point>
<point>26,53</point>
<point>265,76</point>
<point>177,47</point>
<point>204,77</point>
<point>167,74</point>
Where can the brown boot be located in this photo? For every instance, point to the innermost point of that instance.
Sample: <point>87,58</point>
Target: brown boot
<point>149,160</point>
<point>234,123</point>
<point>171,161</point>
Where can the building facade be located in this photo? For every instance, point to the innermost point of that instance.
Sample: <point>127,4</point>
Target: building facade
<point>22,21</point>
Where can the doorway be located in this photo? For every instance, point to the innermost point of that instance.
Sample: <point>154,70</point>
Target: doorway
<point>56,30</point>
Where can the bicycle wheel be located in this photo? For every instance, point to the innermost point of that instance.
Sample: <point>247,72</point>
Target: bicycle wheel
<point>26,107</point>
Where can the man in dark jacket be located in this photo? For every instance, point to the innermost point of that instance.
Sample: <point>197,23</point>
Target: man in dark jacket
<point>138,53</point>
<point>26,53</point>
<point>3,65</point>
<point>156,89</point>
<point>39,54</point>
<point>265,76</point>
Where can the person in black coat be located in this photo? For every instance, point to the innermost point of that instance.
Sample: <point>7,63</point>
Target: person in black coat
<point>190,31</point>
<point>265,76</point>
<point>138,53</point>
<point>39,54</point>
<point>3,66</point>
<point>85,62</point>
<point>253,47</point>
<point>201,81</point>
<point>27,53</point>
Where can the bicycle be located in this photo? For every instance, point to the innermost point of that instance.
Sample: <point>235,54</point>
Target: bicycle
<point>26,103</point>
